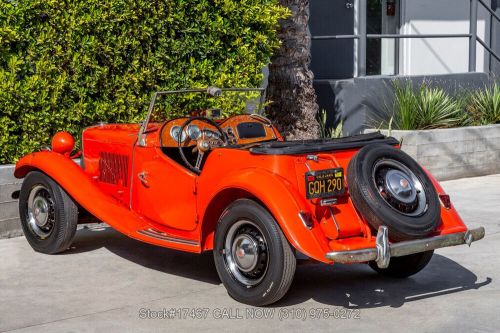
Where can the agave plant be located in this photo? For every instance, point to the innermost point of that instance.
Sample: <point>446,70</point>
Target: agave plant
<point>436,109</point>
<point>484,106</point>
<point>405,105</point>
<point>426,108</point>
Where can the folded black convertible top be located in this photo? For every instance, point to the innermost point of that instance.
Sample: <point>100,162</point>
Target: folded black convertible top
<point>316,146</point>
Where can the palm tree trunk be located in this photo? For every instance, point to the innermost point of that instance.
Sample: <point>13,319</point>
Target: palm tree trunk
<point>290,89</point>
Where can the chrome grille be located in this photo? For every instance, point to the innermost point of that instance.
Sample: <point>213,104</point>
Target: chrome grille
<point>113,168</point>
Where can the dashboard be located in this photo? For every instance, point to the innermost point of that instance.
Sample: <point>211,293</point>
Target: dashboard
<point>241,129</point>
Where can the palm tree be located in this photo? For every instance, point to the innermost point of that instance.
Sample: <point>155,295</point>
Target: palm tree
<point>290,89</point>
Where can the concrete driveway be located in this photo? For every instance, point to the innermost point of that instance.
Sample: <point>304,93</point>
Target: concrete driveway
<point>109,283</point>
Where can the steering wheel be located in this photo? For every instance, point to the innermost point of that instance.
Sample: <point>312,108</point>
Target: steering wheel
<point>202,144</point>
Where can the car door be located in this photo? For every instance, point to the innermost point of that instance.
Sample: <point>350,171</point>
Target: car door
<point>162,190</point>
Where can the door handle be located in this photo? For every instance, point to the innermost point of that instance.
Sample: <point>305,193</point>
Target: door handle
<point>143,177</point>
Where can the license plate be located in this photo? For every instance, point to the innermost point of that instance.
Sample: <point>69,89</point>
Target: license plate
<point>324,183</point>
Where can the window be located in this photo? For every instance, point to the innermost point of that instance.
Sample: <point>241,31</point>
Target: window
<point>381,53</point>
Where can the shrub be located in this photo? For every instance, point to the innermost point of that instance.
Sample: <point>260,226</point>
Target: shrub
<point>326,132</point>
<point>65,65</point>
<point>425,108</point>
<point>484,106</point>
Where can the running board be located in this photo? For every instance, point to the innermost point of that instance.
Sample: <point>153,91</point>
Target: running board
<point>163,236</point>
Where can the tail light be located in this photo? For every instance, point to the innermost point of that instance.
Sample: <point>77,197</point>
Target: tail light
<point>306,219</point>
<point>445,200</point>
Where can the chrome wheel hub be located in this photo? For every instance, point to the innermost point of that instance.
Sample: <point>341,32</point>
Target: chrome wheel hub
<point>41,215</point>
<point>400,187</point>
<point>245,253</point>
<point>40,211</point>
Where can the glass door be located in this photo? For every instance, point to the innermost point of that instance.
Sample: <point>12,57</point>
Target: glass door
<point>381,54</point>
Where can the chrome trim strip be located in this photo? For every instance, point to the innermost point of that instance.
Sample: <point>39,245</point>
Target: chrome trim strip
<point>328,202</point>
<point>383,251</point>
<point>334,219</point>
<point>152,233</point>
<point>132,170</point>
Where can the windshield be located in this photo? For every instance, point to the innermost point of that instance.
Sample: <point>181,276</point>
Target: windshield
<point>212,102</point>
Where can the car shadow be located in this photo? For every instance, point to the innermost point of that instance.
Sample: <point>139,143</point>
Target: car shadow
<point>188,265</point>
<point>349,286</point>
<point>359,287</point>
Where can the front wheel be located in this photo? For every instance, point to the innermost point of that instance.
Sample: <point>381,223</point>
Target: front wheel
<point>252,256</point>
<point>48,215</point>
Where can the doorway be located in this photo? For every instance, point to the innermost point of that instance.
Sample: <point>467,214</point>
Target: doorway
<point>332,58</point>
<point>382,53</point>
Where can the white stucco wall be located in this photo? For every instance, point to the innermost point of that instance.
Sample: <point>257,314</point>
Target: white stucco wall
<point>440,56</point>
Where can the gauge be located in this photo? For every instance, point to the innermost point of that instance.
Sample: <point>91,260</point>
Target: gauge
<point>194,132</point>
<point>175,132</point>
<point>208,133</point>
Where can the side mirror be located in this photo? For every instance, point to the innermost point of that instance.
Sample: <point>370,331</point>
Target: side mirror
<point>214,91</point>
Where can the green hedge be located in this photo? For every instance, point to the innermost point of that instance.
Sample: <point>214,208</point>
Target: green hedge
<point>65,64</point>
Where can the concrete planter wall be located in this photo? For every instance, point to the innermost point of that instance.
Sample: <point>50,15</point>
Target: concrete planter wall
<point>9,212</point>
<point>455,152</point>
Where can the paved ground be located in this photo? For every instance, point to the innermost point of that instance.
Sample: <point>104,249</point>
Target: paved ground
<point>108,282</point>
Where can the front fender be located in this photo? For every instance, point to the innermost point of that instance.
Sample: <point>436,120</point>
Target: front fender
<point>283,202</point>
<point>81,188</point>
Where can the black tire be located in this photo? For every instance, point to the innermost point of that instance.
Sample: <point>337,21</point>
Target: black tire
<point>271,283</point>
<point>377,211</point>
<point>402,267</point>
<point>58,232</point>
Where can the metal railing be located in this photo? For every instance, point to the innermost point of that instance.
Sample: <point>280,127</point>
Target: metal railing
<point>493,15</point>
<point>362,36</point>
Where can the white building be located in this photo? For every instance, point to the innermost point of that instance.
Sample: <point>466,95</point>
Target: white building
<point>443,56</point>
<point>359,44</point>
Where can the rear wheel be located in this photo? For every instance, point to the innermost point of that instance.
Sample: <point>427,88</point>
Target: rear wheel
<point>48,215</point>
<point>252,256</point>
<point>402,267</point>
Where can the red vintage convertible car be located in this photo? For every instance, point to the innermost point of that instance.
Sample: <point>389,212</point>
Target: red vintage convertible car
<point>236,188</point>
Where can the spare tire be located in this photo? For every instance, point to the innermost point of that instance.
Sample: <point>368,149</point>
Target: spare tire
<point>389,188</point>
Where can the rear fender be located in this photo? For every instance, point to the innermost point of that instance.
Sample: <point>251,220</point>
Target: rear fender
<point>279,198</point>
<point>451,222</point>
<point>81,188</point>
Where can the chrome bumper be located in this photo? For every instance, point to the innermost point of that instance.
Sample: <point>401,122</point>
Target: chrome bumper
<point>383,252</point>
